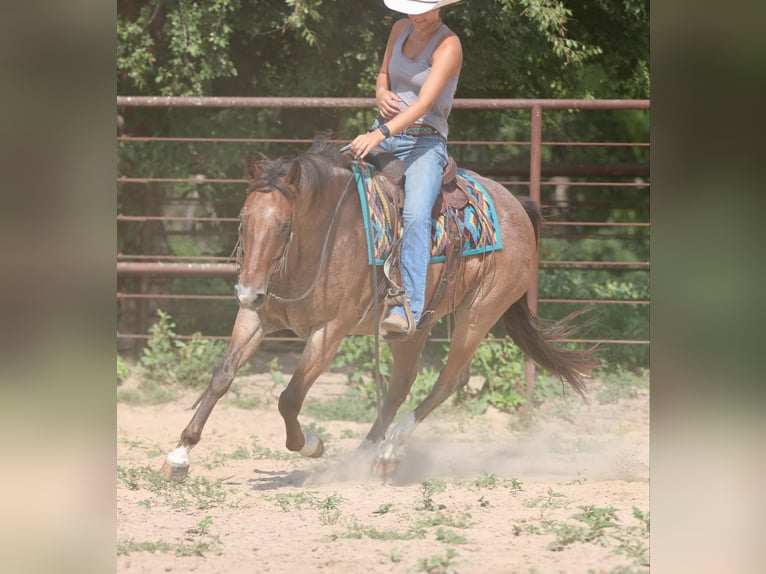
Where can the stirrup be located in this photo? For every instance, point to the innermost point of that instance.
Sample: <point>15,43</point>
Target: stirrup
<point>396,298</point>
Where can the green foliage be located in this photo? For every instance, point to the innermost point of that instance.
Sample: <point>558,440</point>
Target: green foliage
<point>170,361</point>
<point>356,356</point>
<point>501,363</point>
<point>176,49</point>
<point>123,370</point>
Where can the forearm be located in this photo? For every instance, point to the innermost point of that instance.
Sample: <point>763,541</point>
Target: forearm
<point>381,84</point>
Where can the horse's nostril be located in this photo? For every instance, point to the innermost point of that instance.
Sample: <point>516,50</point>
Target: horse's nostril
<point>248,297</point>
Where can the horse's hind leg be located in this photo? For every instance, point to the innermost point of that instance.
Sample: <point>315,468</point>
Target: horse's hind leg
<point>454,375</point>
<point>403,372</point>
<point>246,336</point>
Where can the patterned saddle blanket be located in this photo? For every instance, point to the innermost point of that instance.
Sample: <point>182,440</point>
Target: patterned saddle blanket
<point>474,224</point>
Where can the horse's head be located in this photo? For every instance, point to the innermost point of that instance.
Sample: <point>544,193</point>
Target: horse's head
<point>264,229</point>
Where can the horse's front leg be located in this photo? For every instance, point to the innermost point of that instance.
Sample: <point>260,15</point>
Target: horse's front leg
<point>246,336</point>
<point>319,351</point>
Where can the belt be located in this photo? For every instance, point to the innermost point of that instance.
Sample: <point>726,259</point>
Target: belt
<point>419,130</point>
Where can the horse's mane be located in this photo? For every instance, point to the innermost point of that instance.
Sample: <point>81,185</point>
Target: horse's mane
<point>316,165</point>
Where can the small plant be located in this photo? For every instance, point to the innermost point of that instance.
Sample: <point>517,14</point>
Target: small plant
<point>197,542</point>
<point>429,487</point>
<point>516,486</point>
<point>550,501</point>
<point>383,508</point>
<point>438,518</point>
<point>260,452</point>
<point>329,509</point>
<point>293,501</point>
<point>439,564</point>
<point>449,536</point>
<point>359,530</point>
<point>487,481</point>
<point>596,520</point>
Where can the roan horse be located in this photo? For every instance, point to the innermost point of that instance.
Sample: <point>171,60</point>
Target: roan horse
<point>304,268</point>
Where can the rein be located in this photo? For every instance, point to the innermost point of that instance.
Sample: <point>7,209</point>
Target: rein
<point>282,263</point>
<point>375,303</point>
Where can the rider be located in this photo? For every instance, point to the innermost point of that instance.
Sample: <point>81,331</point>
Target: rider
<point>414,91</point>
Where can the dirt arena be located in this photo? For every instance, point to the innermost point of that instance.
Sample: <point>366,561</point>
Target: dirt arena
<point>475,494</point>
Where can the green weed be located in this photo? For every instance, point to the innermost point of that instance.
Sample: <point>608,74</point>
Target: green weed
<point>552,500</point>
<point>439,564</point>
<point>487,481</point>
<point>197,542</point>
<point>260,452</point>
<point>358,530</point>
<point>449,536</point>
<point>329,509</point>
<point>429,487</point>
<point>194,492</point>
<point>384,508</point>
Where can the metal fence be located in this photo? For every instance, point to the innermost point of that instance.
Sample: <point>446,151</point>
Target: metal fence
<point>532,179</point>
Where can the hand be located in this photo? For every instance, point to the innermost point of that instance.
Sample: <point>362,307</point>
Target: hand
<point>363,143</point>
<point>388,104</point>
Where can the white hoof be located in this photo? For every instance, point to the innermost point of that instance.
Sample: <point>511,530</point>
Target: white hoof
<point>387,461</point>
<point>176,465</point>
<point>313,446</point>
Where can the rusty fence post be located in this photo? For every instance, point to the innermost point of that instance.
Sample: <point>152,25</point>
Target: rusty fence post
<point>535,167</point>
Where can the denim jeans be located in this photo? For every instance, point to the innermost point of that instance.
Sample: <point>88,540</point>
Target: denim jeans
<point>424,158</point>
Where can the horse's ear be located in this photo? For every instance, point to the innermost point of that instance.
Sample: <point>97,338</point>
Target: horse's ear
<point>251,168</point>
<point>293,176</point>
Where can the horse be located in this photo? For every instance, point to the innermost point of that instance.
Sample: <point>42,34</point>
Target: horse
<point>302,268</point>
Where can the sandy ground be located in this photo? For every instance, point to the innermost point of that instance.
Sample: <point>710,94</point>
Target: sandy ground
<point>474,494</point>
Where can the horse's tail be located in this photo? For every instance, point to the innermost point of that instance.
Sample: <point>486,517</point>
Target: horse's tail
<point>533,212</point>
<point>537,342</point>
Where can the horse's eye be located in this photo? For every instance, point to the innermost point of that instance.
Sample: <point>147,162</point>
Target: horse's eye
<point>284,227</point>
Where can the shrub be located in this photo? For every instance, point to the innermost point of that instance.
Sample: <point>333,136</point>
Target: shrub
<point>123,370</point>
<point>168,360</point>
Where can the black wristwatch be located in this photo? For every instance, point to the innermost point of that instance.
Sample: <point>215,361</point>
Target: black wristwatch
<point>384,130</point>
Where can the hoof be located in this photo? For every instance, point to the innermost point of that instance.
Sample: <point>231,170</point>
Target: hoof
<point>384,467</point>
<point>387,461</point>
<point>313,447</point>
<point>176,465</point>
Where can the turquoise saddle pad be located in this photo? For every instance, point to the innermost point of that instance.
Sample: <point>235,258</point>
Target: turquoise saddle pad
<point>476,239</point>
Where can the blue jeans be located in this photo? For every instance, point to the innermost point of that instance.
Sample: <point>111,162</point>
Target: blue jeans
<point>424,159</point>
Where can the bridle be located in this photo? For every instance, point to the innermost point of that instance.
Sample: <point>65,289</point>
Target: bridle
<point>282,261</point>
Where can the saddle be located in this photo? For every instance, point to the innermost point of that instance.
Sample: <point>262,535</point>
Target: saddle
<point>453,197</point>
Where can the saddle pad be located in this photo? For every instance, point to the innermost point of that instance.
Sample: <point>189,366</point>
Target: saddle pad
<point>479,234</point>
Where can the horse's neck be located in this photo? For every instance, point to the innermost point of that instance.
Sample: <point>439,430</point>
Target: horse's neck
<point>316,224</point>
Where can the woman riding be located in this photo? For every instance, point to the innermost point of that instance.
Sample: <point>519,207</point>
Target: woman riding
<point>414,92</point>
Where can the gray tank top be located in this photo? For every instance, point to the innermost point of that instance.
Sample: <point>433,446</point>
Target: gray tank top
<point>407,77</point>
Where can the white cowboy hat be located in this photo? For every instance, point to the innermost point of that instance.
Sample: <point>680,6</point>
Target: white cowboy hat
<point>415,7</point>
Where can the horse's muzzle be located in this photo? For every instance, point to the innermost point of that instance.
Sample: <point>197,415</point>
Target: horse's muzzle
<point>249,298</point>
